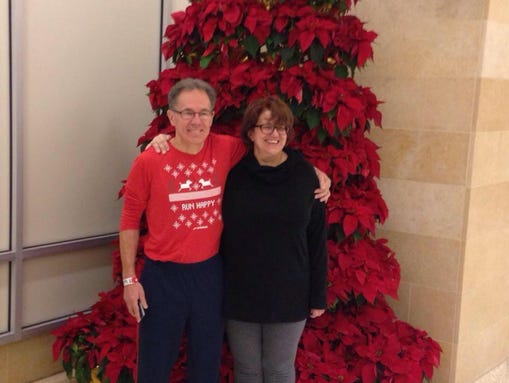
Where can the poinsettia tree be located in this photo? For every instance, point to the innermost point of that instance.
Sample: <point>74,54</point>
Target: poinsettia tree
<point>307,53</point>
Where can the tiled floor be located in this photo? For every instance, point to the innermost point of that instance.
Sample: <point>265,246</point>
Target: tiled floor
<point>58,378</point>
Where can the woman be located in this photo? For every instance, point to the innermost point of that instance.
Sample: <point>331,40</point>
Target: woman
<point>273,246</point>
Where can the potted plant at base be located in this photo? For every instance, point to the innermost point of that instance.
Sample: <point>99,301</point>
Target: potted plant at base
<point>99,345</point>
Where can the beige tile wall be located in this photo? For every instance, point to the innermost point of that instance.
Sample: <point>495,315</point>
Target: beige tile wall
<point>28,360</point>
<point>484,326</point>
<point>424,208</point>
<point>493,107</point>
<point>441,69</point>
<point>4,364</point>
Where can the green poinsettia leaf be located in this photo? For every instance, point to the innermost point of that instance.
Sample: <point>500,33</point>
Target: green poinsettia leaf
<point>357,236</point>
<point>125,376</point>
<point>83,373</point>
<point>205,61</point>
<point>313,118</point>
<point>297,108</point>
<point>67,365</point>
<point>367,126</point>
<point>288,56</point>
<point>316,53</point>
<point>343,6</point>
<point>360,300</point>
<point>277,39</point>
<point>346,132</point>
<point>340,234</point>
<point>321,135</point>
<point>251,45</point>
<point>341,71</point>
<point>177,54</point>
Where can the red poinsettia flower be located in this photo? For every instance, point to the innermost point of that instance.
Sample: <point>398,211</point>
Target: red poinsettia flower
<point>179,32</point>
<point>308,27</point>
<point>258,22</point>
<point>352,38</point>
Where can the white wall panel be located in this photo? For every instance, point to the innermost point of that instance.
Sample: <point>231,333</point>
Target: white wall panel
<point>4,127</point>
<point>57,285</point>
<point>86,66</point>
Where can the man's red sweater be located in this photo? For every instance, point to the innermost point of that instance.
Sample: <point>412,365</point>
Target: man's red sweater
<point>181,194</point>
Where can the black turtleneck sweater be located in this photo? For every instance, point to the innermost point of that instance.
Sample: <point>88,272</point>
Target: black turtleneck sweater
<point>273,242</point>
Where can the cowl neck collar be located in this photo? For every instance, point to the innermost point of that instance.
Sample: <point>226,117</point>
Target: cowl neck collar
<point>270,174</point>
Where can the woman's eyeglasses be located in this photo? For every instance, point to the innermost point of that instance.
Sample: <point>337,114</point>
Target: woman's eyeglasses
<point>269,128</point>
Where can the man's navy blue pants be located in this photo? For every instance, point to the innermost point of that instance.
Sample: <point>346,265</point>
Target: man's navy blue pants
<point>181,297</point>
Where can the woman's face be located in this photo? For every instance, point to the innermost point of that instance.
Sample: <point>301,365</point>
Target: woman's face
<point>267,144</point>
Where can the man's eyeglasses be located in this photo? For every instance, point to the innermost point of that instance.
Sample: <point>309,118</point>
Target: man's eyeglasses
<point>269,128</point>
<point>189,114</point>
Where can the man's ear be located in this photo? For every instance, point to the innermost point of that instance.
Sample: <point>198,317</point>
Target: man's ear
<point>171,116</point>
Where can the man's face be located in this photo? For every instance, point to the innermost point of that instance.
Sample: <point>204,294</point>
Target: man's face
<point>192,118</point>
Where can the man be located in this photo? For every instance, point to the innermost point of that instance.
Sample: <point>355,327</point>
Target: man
<point>180,191</point>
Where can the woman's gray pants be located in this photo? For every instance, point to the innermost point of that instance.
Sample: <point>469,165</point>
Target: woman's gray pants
<point>264,352</point>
